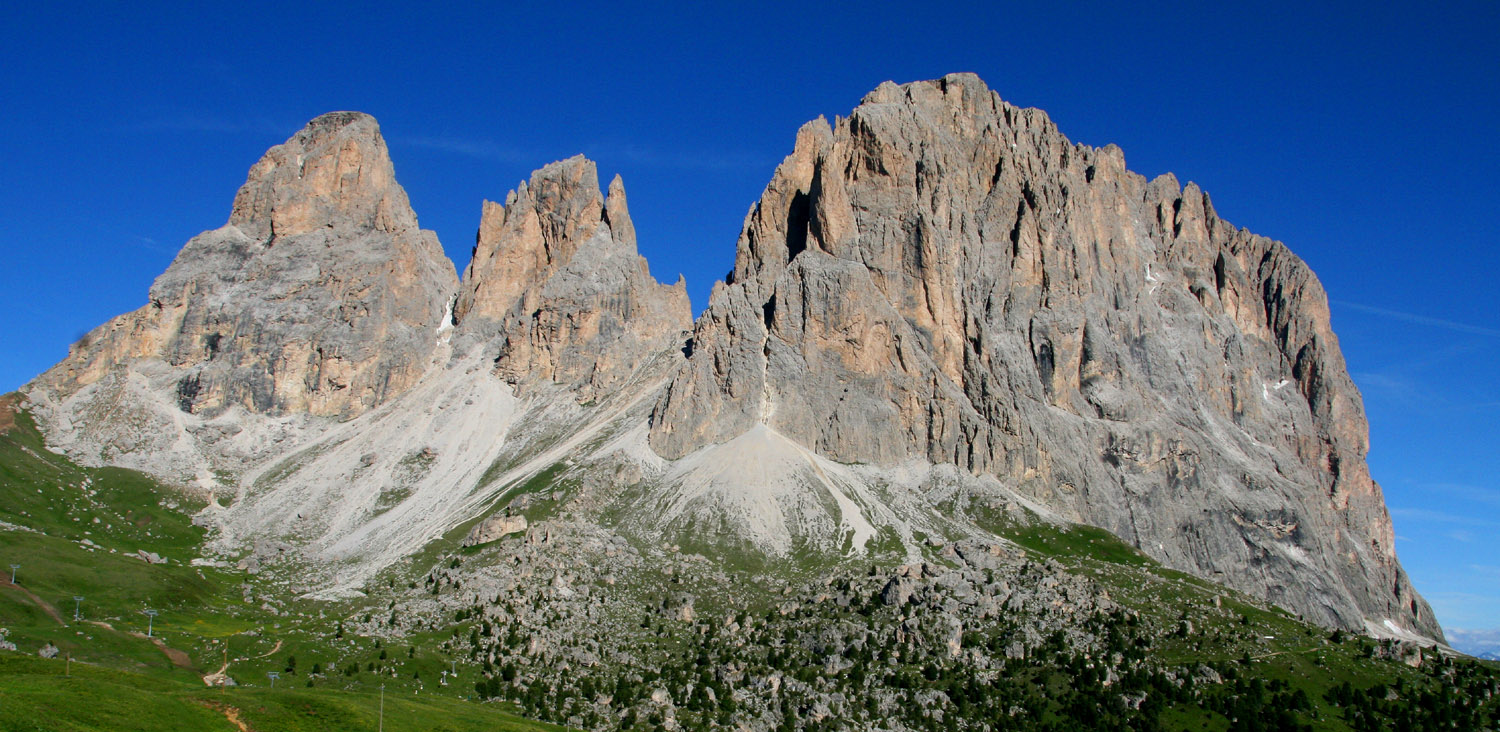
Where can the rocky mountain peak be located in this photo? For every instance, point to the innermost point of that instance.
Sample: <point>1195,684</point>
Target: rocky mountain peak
<point>335,172</point>
<point>943,277</point>
<point>938,302</point>
<point>320,296</point>
<point>617,213</point>
<point>536,231</point>
<point>557,284</point>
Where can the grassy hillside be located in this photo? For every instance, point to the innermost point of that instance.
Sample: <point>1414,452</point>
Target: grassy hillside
<point>77,531</point>
<point>37,695</point>
<point>824,649</point>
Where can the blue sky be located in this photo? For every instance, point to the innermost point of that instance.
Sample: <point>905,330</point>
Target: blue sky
<point>1361,136</point>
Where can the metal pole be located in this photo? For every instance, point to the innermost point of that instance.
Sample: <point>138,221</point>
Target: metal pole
<point>381,728</point>
<point>77,599</point>
<point>13,569</point>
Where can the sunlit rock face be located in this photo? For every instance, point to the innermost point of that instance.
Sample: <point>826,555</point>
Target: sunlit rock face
<point>320,296</point>
<point>557,283</point>
<point>944,277</point>
<point>939,292</point>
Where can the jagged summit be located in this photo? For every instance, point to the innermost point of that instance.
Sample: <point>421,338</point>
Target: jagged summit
<point>944,277</point>
<point>336,171</point>
<point>556,279</point>
<point>939,307</point>
<point>320,296</point>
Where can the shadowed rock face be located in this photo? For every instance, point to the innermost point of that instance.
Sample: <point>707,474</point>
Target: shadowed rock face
<point>557,284</point>
<point>321,295</point>
<point>940,278</point>
<point>945,277</point>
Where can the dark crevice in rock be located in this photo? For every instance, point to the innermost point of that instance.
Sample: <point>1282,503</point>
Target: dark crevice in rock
<point>797,225</point>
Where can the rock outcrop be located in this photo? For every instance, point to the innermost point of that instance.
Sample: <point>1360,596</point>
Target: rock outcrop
<point>556,282</point>
<point>939,295</point>
<point>320,296</point>
<point>495,528</point>
<point>943,277</point>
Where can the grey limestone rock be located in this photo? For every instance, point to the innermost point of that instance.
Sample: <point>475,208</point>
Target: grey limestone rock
<point>320,296</point>
<point>495,527</point>
<point>557,284</point>
<point>945,277</point>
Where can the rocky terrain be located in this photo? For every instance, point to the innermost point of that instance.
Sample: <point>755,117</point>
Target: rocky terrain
<point>943,277</point>
<point>319,296</point>
<point>543,612</point>
<point>946,326</point>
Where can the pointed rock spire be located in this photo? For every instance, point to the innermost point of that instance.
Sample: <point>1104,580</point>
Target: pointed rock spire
<point>321,295</point>
<point>557,284</point>
<point>335,172</point>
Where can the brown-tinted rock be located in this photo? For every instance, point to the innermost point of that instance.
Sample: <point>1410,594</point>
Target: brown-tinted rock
<point>320,296</point>
<point>494,528</point>
<point>944,277</point>
<point>557,283</point>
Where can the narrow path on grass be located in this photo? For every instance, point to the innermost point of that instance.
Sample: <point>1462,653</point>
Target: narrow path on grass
<point>230,713</point>
<point>180,659</point>
<point>267,653</point>
<point>219,677</point>
<point>1280,653</point>
<point>39,602</point>
<point>233,715</point>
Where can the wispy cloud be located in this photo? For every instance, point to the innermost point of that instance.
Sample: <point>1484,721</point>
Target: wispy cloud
<point>1474,641</point>
<point>1423,381</point>
<point>1425,514</point>
<point>1421,319</point>
<point>686,159</point>
<point>149,244</point>
<point>485,149</point>
<point>473,148</point>
<point>218,125</point>
<point>1465,492</point>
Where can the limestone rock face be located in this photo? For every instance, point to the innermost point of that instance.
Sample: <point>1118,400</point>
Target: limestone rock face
<point>320,296</point>
<point>495,527</point>
<point>557,284</point>
<point>944,277</point>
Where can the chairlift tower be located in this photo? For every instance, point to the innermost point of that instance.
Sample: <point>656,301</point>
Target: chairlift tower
<point>77,601</point>
<point>150,617</point>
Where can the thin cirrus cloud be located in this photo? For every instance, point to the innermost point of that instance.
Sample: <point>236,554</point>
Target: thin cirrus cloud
<point>483,149</point>
<point>218,125</point>
<point>1486,640</point>
<point>152,245</point>
<point>1465,492</point>
<point>472,148</point>
<point>1421,319</point>
<point>687,160</point>
<point>1429,515</point>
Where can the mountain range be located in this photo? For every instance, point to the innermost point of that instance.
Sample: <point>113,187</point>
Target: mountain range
<point>944,320</point>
